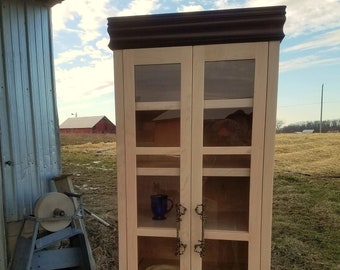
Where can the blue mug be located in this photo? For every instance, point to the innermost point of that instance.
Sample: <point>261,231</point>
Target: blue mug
<point>159,206</point>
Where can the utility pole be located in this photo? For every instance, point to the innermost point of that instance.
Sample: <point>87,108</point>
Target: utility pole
<point>321,108</point>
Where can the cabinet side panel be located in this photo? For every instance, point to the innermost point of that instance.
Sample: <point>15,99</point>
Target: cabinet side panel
<point>256,174</point>
<point>130,157</point>
<point>268,169</point>
<point>120,152</point>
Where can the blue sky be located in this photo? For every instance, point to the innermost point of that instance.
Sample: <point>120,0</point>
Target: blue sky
<point>309,54</point>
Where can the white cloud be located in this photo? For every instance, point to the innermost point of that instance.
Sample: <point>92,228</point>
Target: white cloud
<point>139,7</point>
<point>190,8</point>
<point>85,18</point>
<point>226,4</point>
<point>84,83</point>
<point>306,62</point>
<point>328,39</point>
<point>305,16</point>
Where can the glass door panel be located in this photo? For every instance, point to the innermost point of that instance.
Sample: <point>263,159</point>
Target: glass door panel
<point>227,203</point>
<point>157,251</point>
<point>167,186</point>
<point>157,82</point>
<point>222,255</point>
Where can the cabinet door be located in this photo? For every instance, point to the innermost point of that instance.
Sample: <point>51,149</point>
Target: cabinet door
<point>229,95</point>
<point>157,106</point>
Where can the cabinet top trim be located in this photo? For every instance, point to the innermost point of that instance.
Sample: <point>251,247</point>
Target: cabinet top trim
<point>197,28</point>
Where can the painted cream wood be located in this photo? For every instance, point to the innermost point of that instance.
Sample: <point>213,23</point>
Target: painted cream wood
<point>242,234</point>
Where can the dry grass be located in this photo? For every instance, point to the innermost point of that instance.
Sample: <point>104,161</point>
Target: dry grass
<point>93,166</point>
<point>312,154</point>
<point>306,207</point>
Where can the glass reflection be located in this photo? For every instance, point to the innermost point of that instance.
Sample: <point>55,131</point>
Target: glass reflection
<point>157,82</point>
<point>229,79</point>
<point>158,128</point>
<point>227,127</point>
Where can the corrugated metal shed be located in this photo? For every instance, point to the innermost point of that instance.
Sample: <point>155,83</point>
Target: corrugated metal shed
<point>81,122</point>
<point>29,139</point>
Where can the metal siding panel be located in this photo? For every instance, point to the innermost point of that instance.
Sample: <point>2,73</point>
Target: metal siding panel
<point>37,96</point>
<point>3,115</point>
<point>52,120</point>
<point>31,142</point>
<point>41,95</point>
<point>10,198</point>
<point>20,123</point>
<point>29,187</point>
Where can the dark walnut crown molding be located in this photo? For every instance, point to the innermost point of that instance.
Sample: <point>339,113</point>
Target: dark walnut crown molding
<point>197,28</point>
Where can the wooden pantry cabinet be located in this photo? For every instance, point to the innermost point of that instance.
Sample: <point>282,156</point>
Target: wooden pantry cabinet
<point>195,114</point>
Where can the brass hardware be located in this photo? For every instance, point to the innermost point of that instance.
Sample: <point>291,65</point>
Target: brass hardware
<point>200,248</point>
<point>180,247</point>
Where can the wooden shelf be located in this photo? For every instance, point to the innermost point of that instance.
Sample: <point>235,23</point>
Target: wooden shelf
<point>159,171</point>
<point>240,172</point>
<point>150,227</point>
<point>159,105</point>
<point>226,235</point>
<point>145,263</point>
<point>228,103</point>
<point>224,266</point>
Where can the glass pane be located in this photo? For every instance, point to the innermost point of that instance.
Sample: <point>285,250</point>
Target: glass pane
<point>158,161</point>
<point>226,161</point>
<point>229,79</point>
<point>223,255</point>
<point>158,128</point>
<point>168,187</point>
<point>227,127</point>
<point>227,202</point>
<point>158,82</point>
<point>157,251</point>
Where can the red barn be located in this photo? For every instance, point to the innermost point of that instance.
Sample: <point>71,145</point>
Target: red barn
<point>91,124</point>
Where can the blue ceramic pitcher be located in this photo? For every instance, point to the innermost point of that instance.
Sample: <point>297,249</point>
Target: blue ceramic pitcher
<point>160,205</point>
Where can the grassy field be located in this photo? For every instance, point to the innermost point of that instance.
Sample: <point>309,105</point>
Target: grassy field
<point>306,206</point>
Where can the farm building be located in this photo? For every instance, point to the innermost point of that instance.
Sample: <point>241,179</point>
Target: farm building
<point>91,124</point>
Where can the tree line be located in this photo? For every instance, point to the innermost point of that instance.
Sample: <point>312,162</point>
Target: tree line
<point>327,126</point>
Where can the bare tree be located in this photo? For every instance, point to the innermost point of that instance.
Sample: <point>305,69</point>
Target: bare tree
<point>279,124</point>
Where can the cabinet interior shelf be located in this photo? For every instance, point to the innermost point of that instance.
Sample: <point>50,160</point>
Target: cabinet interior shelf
<point>208,104</point>
<point>211,150</point>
